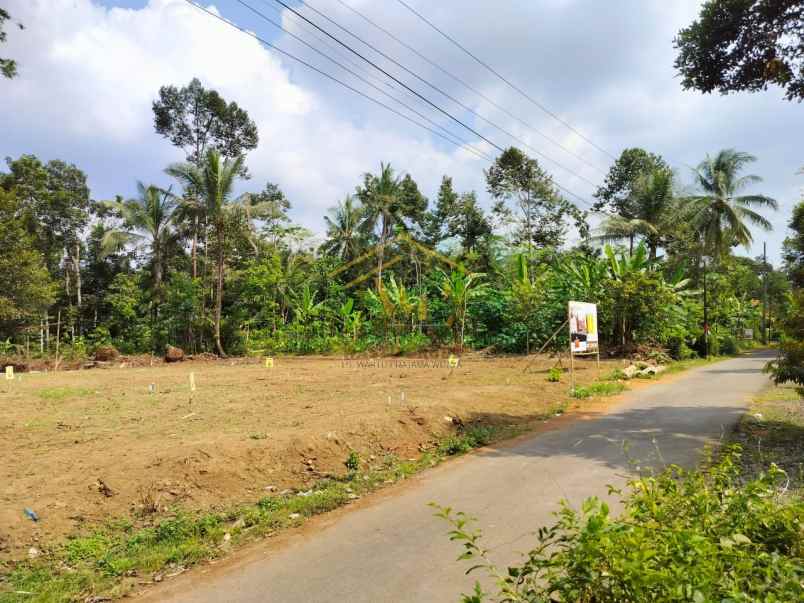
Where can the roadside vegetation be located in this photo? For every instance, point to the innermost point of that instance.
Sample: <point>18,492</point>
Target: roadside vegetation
<point>700,535</point>
<point>772,431</point>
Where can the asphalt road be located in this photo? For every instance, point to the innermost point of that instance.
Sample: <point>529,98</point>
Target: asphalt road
<point>396,551</point>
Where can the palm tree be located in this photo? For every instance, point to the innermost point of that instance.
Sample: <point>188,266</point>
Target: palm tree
<point>652,196</point>
<point>720,216</point>
<point>212,182</point>
<point>343,238</point>
<point>147,218</point>
<point>381,198</point>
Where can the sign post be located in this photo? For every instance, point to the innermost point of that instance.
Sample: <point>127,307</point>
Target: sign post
<point>583,334</point>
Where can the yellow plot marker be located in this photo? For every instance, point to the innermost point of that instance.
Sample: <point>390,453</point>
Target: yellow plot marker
<point>9,373</point>
<point>453,361</point>
<point>269,362</point>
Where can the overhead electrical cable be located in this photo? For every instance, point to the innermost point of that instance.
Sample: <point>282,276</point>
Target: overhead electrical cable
<point>465,107</point>
<point>336,80</point>
<point>358,76</point>
<point>504,79</point>
<point>450,138</point>
<point>362,68</point>
<point>463,83</point>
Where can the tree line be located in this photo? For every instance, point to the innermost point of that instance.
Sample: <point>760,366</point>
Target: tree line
<point>188,262</point>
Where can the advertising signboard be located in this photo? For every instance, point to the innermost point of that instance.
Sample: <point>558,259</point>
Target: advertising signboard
<point>583,328</point>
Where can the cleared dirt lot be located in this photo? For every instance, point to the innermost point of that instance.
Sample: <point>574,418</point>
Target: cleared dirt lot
<point>80,447</point>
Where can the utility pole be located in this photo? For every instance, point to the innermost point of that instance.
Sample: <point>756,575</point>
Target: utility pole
<point>764,293</point>
<point>705,312</point>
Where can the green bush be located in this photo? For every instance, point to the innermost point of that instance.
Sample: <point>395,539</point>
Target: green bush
<point>352,462</point>
<point>683,536</point>
<point>728,345</point>
<point>554,375</point>
<point>789,366</point>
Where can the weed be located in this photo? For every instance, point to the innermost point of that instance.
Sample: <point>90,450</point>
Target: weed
<point>453,445</point>
<point>603,388</point>
<point>554,375</point>
<point>615,375</point>
<point>352,462</point>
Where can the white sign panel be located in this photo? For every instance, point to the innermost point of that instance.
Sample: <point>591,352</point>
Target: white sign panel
<point>583,327</point>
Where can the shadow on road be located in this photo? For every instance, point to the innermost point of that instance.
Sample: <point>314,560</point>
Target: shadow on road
<point>642,438</point>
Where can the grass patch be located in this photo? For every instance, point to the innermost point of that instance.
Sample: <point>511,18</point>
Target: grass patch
<point>602,388</point>
<point>55,394</point>
<point>772,431</point>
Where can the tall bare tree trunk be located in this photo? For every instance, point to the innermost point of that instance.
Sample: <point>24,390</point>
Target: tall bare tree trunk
<point>381,253</point>
<point>77,269</point>
<point>219,290</point>
<point>194,248</point>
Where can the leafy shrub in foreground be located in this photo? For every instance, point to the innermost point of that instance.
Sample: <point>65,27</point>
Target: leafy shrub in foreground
<point>683,536</point>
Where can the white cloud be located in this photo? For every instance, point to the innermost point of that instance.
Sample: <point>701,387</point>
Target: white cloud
<point>88,75</point>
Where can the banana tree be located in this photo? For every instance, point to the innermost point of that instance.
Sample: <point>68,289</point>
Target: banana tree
<point>395,304</point>
<point>351,319</point>
<point>527,292</point>
<point>458,288</point>
<point>624,263</point>
<point>305,306</point>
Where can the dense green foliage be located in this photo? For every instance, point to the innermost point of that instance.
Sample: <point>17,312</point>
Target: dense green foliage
<point>789,366</point>
<point>682,536</point>
<point>744,45</point>
<point>207,264</point>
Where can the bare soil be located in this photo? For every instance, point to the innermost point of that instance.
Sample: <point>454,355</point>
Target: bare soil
<point>80,447</point>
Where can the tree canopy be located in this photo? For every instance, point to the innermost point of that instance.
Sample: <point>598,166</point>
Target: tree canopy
<point>738,45</point>
<point>196,119</point>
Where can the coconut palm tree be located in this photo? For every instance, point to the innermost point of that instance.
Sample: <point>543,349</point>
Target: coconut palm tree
<point>381,197</point>
<point>652,197</point>
<point>721,217</point>
<point>343,237</point>
<point>212,182</point>
<point>146,219</point>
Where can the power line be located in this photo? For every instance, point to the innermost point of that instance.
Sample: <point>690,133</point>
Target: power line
<point>337,51</point>
<point>508,82</point>
<point>334,79</point>
<point>427,83</point>
<point>377,67</point>
<point>380,103</point>
<point>362,79</point>
<point>464,84</point>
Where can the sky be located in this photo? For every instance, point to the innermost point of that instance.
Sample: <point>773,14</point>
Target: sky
<point>90,69</point>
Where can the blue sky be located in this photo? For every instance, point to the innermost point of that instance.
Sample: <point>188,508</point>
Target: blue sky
<point>89,70</point>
